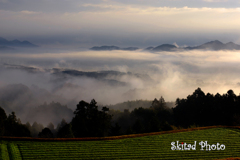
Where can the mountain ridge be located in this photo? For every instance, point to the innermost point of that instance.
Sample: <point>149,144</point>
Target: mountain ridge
<point>215,45</point>
<point>16,43</point>
<point>110,48</point>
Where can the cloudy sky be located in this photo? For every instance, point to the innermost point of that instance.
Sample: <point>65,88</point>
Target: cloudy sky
<point>140,23</point>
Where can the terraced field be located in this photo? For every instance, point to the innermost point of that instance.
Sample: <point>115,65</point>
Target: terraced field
<point>146,147</point>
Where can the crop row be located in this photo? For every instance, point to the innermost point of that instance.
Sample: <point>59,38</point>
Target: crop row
<point>154,146</point>
<point>4,152</point>
<point>14,152</point>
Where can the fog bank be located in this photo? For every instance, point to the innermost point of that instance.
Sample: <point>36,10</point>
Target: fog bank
<point>112,77</point>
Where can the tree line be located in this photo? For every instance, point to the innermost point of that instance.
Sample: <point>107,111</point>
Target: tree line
<point>198,109</point>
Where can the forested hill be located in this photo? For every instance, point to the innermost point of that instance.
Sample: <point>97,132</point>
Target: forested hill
<point>90,120</point>
<point>131,105</point>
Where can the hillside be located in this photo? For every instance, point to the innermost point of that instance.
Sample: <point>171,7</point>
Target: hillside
<point>212,45</point>
<point>216,45</point>
<point>16,43</point>
<point>148,146</point>
<point>164,47</point>
<point>131,105</point>
<point>110,48</point>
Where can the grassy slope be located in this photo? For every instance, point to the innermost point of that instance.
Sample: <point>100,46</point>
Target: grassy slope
<point>147,147</point>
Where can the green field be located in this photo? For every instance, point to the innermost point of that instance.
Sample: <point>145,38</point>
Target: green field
<point>147,147</point>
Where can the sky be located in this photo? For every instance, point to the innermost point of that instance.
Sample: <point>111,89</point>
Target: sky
<point>137,23</point>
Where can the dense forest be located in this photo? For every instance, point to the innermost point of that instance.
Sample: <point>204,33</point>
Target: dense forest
<point>198,109</point>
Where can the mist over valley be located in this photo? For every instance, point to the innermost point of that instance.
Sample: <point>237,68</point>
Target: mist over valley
<point>64,77</point>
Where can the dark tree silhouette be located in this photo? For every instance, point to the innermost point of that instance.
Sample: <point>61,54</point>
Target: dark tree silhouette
<point>89,121</point>
<point>115,130</point>
<point>45,133</point>
<point>138,127</point>
<point>154,125</point>
<point>36,128</point>
<point>62,124</point>
<point>206,109</point>
<point>50,126</point>
<point>3,118</point>
<point>14,128</point>
<point>65,132</point>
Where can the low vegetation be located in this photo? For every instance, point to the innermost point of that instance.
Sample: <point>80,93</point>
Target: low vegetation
<point>156,146</point>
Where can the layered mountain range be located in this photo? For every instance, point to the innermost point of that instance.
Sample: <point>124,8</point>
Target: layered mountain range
<point>110,77</point>
<point>110,48</point>
<point>15,43</point>
<point>213,45</point>
<point>216,45</point>
<point>6,45</point>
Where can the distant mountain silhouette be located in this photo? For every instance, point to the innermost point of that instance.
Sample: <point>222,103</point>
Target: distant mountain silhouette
<point>110,77</point>
<point>22,67</point>
<point>232,46</point>
<point>149,48</point>
<point>164,47</point>
<point>213,45</point>
<point>100,75</point>
<point>15,43</point>
<point>129,48</point>
<point>110,48</point>
<point>216,45</point>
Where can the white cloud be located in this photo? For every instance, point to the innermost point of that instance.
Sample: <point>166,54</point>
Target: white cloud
<point>29,12</point>
<point>175,44</point>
